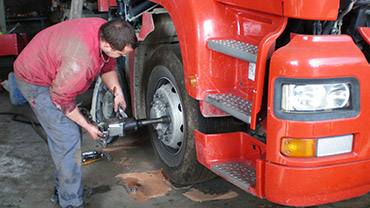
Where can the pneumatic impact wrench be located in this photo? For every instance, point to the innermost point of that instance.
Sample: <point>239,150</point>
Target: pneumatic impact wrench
<point>121,124</point>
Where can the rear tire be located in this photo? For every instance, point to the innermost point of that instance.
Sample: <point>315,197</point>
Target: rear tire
<point>174,142</point>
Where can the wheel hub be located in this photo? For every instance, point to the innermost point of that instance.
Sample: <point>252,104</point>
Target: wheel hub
<point>166,102</point>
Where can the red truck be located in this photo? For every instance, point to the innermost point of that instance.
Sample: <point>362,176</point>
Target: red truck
<point>271,95</point>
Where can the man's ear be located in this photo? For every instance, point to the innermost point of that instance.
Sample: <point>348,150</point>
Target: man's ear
<point>105,46</point>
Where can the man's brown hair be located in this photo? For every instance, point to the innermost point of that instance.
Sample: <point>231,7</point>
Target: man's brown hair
<point>119,34</point>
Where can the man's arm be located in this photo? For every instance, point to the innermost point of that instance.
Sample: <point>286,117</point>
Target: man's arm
<point>72,78</point>
<point>76,116</point>
<point>110,80</point>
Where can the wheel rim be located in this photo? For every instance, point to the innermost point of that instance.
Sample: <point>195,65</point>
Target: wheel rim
<point>108,105</point>
<point>166,102</point>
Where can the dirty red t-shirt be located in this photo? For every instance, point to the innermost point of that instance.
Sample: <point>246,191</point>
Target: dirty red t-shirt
<point>66,57</point>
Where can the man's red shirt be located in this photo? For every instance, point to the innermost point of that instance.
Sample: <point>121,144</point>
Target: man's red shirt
<point>65,57</point>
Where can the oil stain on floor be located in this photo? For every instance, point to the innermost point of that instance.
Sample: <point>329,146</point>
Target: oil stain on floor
<point>145,185</point>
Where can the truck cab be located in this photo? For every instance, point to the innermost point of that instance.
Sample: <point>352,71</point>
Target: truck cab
<point>271,95</point>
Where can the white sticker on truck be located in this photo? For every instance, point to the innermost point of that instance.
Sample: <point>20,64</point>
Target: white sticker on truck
<point>252,71</point>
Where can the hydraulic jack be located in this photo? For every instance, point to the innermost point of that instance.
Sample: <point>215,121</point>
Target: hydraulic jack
<point>94,156</point>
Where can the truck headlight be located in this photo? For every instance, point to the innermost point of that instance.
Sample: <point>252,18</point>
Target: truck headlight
<point>315,97</point>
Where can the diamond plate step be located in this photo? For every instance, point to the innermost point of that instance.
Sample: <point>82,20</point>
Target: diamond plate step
<point>238,173</point>
<point>241,50</point>
<point>235,106</point>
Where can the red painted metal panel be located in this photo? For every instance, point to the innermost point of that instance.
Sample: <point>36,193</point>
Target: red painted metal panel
<point>239,146</point>
<point>260,177</point>
<point>317,185</point>
<point>103,5</point>
<point>312,9</point>
<point>266,47</point>
<point>365,33</point>
<point>12,44</point>
<point>147,26</point>
<point>195,24</point>
<point>301,9</point>
<point>267,6</point>
<point>216,148</point>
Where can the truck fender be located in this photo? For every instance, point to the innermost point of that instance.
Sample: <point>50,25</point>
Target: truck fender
<point>147,26</point>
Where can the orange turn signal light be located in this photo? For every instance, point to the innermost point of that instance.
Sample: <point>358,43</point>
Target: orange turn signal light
<point>292,147</point>
<point>192,80</point>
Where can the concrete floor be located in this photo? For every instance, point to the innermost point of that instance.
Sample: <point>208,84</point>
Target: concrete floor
<point>26,173</point>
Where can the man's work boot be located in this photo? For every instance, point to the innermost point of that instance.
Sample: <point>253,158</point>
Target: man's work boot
<point>81,206</point>
<point>55,196</point>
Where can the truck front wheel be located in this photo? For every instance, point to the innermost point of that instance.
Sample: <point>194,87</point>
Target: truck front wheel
<point>166,96</point>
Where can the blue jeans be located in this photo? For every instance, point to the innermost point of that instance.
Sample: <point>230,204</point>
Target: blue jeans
<point>64,140</point>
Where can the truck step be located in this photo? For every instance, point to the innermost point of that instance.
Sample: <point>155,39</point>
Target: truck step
<point>234,48</point>
<point>237,173</point>
<point>235,106</point>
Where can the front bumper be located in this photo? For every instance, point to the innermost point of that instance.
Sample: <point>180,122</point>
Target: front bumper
<point>296,186</point>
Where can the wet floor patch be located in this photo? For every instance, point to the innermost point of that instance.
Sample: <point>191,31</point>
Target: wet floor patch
<point>100,189</point>
<point>124,143</point>
<point>145,185</point>
<point>124,161</point>
<point>198,196</point>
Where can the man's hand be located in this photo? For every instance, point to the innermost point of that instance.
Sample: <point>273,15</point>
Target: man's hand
<point>119,100</point>
<point>110,80</point>
<point>94,132</point>
<point>76,116</point>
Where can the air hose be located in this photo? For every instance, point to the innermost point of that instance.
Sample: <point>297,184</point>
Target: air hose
<point>27,120</point>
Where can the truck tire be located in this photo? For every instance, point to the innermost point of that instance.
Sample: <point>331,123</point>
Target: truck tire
<point>174,142</point>
<point>102,107</point>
